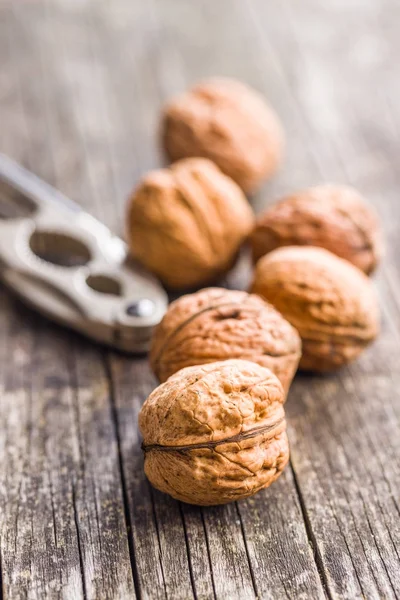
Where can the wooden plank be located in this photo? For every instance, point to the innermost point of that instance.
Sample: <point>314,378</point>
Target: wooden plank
<point>343,431</point>
<point>175,539</point>
<point>157,529</point>
<point>159,541</point>
<point>35,550</point>
<point>60,511</point>
<point>63,527</point>
<point>264,517</point>
<point>63,524</point>
<point>209,54</point>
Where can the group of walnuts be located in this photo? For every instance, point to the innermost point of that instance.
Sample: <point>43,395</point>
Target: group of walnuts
<point>214,431</point>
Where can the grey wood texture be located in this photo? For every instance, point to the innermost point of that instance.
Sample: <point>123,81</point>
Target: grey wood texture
<point>81,86</point>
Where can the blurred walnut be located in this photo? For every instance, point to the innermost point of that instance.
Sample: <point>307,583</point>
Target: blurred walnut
<point>215,433</point>
<point>333,217</point>
<point>331,303</point>
<point>186,223</point>
<point>217,324</point>
<point>228,122</point>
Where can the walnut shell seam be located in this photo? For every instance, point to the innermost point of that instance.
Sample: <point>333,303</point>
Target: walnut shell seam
<point>274,428</point>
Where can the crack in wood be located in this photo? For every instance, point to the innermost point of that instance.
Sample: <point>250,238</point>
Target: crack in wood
<point>125,498</point>
<point>53,510</point>
<point>378,550</point>
<point>2,591</point>
<point>156,524</point>
<point>312,538</point>
<point>98,522</point>
<point>189,558</point>
<point>80,549</point>
<point>253,579</point>
<point>208,551</point>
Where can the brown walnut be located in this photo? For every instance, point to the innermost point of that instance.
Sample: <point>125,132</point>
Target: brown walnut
<point>333,217</point>
<point>215,433</point>
<point>186,223</point>
<point>229,123</point>
<point>331,303</point>
<point>217,324</point>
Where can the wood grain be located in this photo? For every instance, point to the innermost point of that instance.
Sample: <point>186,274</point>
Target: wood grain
<point>340,469</point>
<point>81,86</point>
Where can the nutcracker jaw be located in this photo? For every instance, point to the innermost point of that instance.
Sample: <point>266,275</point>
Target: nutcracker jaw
<point>70,267</point>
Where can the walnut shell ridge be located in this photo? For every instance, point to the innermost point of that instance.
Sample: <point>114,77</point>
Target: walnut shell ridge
<point>333,217</point>
<point>331,303</point>
<point>231,124</point>
<point>215,433</point>
<point>218,324</point>
<point>187,223</point>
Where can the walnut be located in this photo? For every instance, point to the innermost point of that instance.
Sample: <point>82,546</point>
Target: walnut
<point>186,223</point>
<point>216,324</point>
<point>215,433</point>
<point>228,122</point>
<point>330,216</point>
<point>331,303</point>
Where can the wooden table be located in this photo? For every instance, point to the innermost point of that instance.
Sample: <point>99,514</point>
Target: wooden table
<point>81,86</point>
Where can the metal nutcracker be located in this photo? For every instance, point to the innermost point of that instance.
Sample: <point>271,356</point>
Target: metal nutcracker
<point>70,267</point>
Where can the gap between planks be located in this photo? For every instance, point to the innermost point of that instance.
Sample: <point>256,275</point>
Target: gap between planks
<point>1,573</point>
<point>78,537</point>
<point>311,536</point>
<point>127,516</point>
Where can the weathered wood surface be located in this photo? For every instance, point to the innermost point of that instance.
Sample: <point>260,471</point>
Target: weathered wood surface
<point>81,84</point>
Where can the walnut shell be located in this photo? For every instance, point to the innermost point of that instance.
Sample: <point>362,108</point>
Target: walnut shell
<point>217,324</point>
<point>215,433</point>
<point>329,216</point>
<point>331,303</point>
<point>186,223</point>
<point>228,122</point>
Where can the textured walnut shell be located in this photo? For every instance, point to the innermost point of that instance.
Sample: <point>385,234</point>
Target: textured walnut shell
<point>333,217</point>
<point>186,223</point>
<point>331,303</point>
<point>229,123</point>
<point>215,433</point>
<point>217,324</point>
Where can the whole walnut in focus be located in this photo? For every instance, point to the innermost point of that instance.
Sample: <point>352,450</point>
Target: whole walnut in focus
<point>331,303</point>
<point>217,324</point>
<point>228,122</point>
<point>187,223</point>
<point>215,433</point>
<point>329,216</point>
